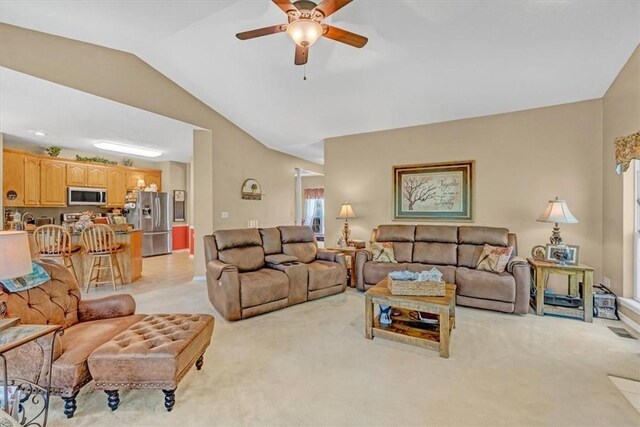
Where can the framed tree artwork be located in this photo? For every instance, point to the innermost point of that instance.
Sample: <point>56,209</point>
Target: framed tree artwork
<point>434,191</point>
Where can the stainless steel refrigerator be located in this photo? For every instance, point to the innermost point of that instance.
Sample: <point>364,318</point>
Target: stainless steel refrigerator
<point>151,213</point>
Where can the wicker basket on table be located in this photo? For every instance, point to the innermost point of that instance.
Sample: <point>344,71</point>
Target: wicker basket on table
<point>417,288</point>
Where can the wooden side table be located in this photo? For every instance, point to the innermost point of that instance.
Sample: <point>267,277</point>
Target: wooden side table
<point>350,252</point>
<point>542,270</point>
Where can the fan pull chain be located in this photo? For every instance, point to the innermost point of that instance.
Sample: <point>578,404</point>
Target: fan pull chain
<point>304,77</point>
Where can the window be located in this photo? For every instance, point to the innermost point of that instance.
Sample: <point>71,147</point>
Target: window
<point>314,211</point>
<point>636,267</point>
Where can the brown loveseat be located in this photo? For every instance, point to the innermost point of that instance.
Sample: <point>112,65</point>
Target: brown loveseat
<point>251,271</point>
<point>87,325</point>
<point>455,251</point>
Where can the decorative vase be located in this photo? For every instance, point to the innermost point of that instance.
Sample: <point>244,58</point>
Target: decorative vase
<point>385,315</point>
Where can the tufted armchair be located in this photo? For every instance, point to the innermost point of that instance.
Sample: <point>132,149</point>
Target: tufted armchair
<point>87,325</point>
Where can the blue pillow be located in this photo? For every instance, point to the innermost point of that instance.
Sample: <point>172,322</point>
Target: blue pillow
<point>34,279</point>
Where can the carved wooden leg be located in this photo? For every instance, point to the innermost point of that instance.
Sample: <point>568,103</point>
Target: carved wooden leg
<point>169,399</point>
<point>199,362</point>
<point>70,405</point>
<point>113,399</point>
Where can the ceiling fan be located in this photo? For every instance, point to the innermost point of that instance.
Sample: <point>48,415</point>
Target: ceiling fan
<point>305,26</point>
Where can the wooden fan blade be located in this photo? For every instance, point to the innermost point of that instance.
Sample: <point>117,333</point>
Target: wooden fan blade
<point>302,55</point>
<point>344,36</point>
<point>261,32</point>
<point>285,5</point>
<point>327,7</point>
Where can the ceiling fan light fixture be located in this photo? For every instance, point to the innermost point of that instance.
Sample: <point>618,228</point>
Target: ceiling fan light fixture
<point>304,32</point>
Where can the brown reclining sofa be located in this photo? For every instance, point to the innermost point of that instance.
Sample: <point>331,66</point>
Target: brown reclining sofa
<point>455,251</point>
<point>254,271</point>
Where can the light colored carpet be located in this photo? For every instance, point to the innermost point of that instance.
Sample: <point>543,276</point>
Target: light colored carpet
<point>311,365</point>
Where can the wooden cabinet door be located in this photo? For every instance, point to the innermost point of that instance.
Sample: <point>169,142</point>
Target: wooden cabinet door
<point>13,178</point>
<point>96,176</point>
<point>76,175</point>
<point>52,183</point>
<point>116,187</point>
<point>132,178</point>
<point>154,177</point>
<point>32,181</point>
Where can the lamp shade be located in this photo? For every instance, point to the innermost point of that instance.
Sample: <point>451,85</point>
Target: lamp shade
<point>346,211</point>
<point>15,255</point>
<point>557,211</point>
<point>304,32</point>
<point>141,183</point>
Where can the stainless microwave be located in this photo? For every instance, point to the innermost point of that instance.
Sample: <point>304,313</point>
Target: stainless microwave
<point>86,196</point>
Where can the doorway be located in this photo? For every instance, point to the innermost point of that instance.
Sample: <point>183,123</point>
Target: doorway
<point>311,202</point>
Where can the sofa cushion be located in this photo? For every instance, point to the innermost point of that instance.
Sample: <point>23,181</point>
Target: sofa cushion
<point>437,233</point>
<point>78,342</point>
<point>279,259</point>
<point>249,258</point>
<point>435,253</point>
<point>494,258</point>
<point>271,242</point>
<point>305,252</point>
<point>474,235</point>
<point>376,271</point>
<point>262,286</point>
<point>448,271</point>
<point>395,233</point>
<point>382,252</point>
<point>468,255</point>
<point>403,251</point>
<point>226,239</point>
<point>486,285</point>
<point>325,274</point>
<point>296,234</point>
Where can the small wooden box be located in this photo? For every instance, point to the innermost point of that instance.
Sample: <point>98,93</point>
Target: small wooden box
<point>417,288</point>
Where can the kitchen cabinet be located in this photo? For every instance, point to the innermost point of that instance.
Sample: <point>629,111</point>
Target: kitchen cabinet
<point>133,175</point>
<point>153,177</point>
<point>13,170</point>
<point>96,176</point>
<point>116,187</point>
<point>52,183</point>
<point>76,175</point>
<point>32,181</point>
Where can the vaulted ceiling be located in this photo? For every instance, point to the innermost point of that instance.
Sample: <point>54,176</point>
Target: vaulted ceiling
<point>426,61</point>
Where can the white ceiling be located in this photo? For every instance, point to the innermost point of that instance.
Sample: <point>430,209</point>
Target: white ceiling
<point>76,120</point>
<point>426,61</point>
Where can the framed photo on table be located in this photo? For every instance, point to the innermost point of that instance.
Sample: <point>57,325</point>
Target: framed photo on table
<point>434,191</point>
<point>572,251</point>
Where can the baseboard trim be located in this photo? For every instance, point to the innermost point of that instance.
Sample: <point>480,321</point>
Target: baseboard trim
<point>199,278</point>
<point>629,322</point>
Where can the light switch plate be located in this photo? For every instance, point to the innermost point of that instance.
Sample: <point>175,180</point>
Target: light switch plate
<point>224,215</point>
<point>606,282</point>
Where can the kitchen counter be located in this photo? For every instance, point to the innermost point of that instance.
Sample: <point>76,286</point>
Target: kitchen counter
<point>130,258</point>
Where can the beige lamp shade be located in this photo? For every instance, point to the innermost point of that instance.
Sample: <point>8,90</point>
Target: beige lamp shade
<point>558,212</point>
<point>141,183</point>
<point>15,255</point>
<point>346,211</point>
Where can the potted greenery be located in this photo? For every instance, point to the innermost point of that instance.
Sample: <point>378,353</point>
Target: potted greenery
<point>54,151</point>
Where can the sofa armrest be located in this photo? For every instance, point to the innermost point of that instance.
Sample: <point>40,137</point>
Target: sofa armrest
<point>362,257</point>
<point>522,274</point>
<point>223,286</point>
<point>327,255</point>
<point>106,308</point>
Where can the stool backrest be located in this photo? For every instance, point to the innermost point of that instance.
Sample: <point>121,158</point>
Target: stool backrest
<point>52,240</point>
<point>99,238</point>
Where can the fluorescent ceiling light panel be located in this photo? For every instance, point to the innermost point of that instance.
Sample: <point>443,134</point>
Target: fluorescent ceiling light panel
<point>38,133</point>
<point>127,149</point>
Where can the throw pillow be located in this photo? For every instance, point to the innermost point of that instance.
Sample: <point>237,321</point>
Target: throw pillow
<point>494,258</point>
<point>383,252</point>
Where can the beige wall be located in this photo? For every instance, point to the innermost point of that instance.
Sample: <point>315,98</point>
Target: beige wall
<point>523,159</point>
<point>313,182</point>
<point>174,177</point>
<point>125,78</point>
<point>1,172</point>
<point>621,116</point>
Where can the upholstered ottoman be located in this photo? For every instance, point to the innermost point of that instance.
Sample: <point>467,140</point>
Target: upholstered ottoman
<point>154,353</point>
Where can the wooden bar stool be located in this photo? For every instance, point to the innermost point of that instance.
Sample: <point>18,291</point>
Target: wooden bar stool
<point>100,242</point>
<point>54,241</point>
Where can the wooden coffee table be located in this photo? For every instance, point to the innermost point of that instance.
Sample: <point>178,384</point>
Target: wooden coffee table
<point>404,328</point>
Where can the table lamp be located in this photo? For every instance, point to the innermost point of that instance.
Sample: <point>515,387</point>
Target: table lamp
<point>141,184</point>
<point>346,212</point>
<point>15,258</point>
<point>557,212</point>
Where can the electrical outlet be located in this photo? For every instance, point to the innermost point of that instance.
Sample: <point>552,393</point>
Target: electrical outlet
<point>606,282</point>
<point>224,215</point>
